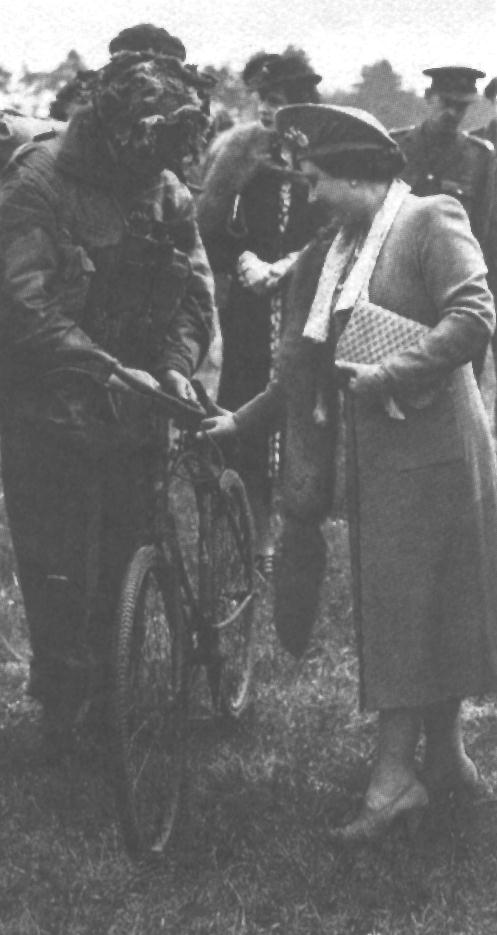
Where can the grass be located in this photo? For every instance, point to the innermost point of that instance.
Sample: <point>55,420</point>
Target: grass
<point>253,853</point>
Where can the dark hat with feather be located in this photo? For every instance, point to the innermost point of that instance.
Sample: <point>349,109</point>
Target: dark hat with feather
<point>347,141</point>
<point>270,71</point>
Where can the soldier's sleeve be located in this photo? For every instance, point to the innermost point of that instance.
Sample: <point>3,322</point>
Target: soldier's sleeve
<point>486,222</point>
<point>190,328</point>
<point>35,332</point>
<point>450,263</point>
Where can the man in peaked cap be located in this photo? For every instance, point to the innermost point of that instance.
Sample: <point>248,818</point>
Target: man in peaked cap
<point>443,159</point>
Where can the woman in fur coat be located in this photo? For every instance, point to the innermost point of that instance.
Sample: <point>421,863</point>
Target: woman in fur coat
<point>254,217</point>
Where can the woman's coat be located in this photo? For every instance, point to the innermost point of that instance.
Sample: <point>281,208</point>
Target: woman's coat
<point>422,491</point>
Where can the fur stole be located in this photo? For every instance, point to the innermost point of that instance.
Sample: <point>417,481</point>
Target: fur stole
<point>241,152</point>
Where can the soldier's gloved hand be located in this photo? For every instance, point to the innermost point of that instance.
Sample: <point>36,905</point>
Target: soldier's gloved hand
<point>179,385</point>
<point>136,376</point>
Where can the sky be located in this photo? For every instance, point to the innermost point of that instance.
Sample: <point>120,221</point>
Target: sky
<point>339,35</point>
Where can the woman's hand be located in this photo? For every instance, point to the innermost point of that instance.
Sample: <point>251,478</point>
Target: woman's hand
<point>361,379</point>
<point>220,426</point>
<point>253,274</point>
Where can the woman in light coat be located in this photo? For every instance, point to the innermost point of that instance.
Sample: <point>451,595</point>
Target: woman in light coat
<point>421,467</point>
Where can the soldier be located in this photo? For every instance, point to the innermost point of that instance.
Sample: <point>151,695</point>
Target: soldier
<point>489,131</point>
<point>443,159</point>
<point>16,129</point>
<point>73,94</point>
<point>101,252</point>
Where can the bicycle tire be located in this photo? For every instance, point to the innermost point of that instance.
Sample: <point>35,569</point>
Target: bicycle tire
<point>233,595</point>
<point>149,704</point>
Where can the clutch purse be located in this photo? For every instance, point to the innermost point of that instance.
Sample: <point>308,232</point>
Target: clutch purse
<point>373,332</point>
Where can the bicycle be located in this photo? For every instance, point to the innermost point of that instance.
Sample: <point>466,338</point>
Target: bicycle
<point>187,601</point>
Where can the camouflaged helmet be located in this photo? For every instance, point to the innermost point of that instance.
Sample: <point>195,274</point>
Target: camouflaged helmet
<point>152,109</point>
<point>145,37</point>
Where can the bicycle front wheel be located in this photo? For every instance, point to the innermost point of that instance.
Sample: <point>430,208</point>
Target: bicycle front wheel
<point>149,703</point>
<point>232,594</point>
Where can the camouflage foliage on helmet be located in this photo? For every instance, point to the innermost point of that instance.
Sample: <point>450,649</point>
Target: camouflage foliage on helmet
<point>152,108</point>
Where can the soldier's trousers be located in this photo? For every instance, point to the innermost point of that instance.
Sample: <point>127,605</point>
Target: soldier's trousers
<point>74,521</point>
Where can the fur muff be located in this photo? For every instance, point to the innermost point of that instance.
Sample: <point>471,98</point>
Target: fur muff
<point>299,571</point>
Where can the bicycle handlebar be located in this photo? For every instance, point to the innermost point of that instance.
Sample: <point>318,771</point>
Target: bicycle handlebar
<point>188,415</point>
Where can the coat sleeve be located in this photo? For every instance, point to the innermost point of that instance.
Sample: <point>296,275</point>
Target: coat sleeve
<point>263,412</point>
<point>453,271</point>
<point>189,330</point>
<point>35,332</point>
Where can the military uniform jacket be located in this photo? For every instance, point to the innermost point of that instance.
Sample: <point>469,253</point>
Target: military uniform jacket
<point>16,129</point>
<point>90,259</point>
<point>463,166</point>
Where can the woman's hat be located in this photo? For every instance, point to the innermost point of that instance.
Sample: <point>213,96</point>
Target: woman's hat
<point>269,71</point>
<point>317,130</point>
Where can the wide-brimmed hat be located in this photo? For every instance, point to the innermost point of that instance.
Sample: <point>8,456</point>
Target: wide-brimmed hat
<point>323,130</point>
<point>270,71</point>
<point>454,81</point>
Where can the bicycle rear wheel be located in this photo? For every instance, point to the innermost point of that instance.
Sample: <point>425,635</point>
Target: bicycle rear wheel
<point>149,703</point>
<point>232,593</point>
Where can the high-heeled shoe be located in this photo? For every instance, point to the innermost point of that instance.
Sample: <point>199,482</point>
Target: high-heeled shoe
<point>463,781</point>
<point>373,823</point>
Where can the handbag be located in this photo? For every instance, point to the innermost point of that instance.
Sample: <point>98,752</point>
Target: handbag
<point>372,333</point>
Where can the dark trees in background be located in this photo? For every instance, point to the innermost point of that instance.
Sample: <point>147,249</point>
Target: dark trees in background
<point>379,91</point>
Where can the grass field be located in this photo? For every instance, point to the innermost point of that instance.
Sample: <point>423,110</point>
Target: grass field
<point>253,854</point>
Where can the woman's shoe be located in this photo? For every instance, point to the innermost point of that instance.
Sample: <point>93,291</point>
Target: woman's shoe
<point>463,781</point>
<point>373,823</point>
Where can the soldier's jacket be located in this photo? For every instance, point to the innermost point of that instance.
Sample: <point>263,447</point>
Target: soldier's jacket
<point>88,260</point>
<point>17,129</point>
<point>488,132</point>
<point>464,167</point>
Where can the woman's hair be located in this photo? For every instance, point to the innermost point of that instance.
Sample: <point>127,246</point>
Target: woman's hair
<point>370,165</point>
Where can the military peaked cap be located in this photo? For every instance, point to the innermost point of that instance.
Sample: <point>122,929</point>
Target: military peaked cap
<point>454,81</point>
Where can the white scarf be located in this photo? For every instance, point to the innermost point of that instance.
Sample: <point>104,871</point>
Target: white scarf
<point>317,326</point>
